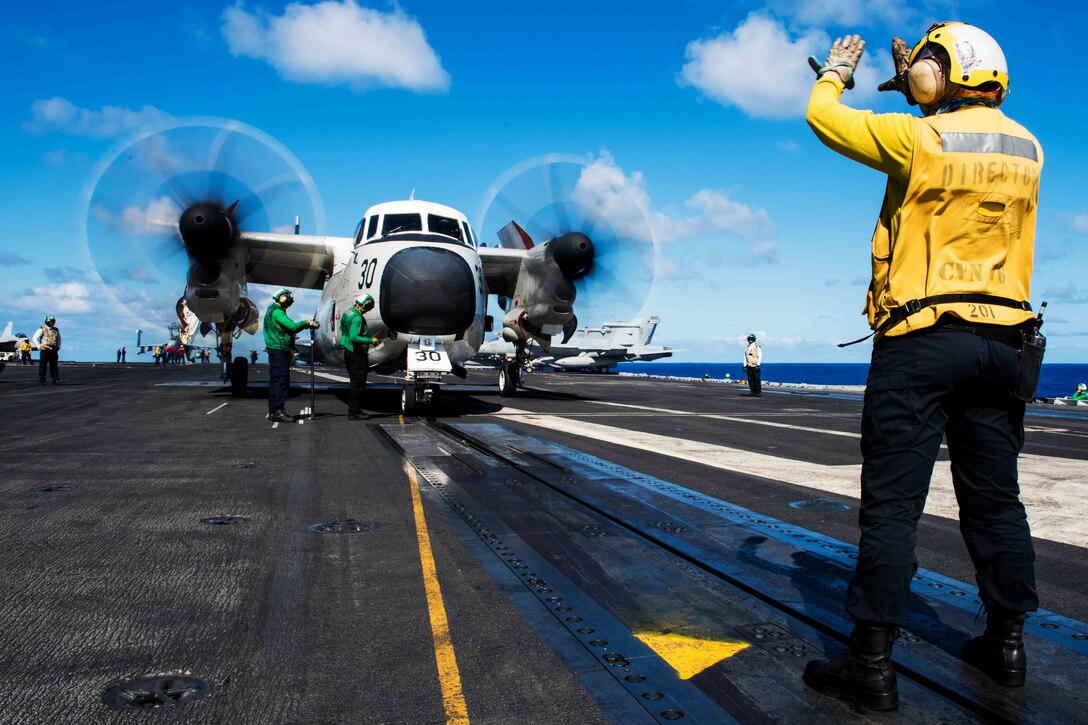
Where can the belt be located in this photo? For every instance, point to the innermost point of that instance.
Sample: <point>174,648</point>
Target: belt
<point>1012,336</point>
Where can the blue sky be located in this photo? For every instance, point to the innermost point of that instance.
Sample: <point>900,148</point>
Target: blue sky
<point>687,115</point>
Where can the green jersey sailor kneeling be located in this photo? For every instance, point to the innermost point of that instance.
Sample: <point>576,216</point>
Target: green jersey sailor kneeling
<point>356,340</point>
<point>279,341</point>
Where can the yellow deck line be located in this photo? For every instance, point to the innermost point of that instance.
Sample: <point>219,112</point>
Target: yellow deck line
<point>449,676</point>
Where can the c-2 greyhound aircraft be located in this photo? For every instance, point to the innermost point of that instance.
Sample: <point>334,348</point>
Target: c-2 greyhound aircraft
<point>429,275</point>
<point>419,261</point>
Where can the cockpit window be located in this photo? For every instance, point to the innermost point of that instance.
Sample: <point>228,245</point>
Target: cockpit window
<point>444,225</point>
<point>401,223</point>
<point>359,231</point>
<point>372,226</point>
<point>469,234</point>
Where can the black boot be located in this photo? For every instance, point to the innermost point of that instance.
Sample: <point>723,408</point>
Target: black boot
<point>999,651</point>
<point>864,673</point>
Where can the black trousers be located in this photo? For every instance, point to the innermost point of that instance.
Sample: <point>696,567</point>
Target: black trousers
<point>279,378</point>
<point>753,379</point>
<point>921,388</point>
<point>358,365</point>
<point>48,358</point>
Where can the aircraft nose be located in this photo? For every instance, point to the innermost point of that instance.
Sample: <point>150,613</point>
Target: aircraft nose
<point>428,291</point>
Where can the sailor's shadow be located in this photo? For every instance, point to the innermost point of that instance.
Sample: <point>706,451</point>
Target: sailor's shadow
<point>821,582</point>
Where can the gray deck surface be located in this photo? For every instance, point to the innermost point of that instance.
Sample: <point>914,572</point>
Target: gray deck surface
<point>111,574</point>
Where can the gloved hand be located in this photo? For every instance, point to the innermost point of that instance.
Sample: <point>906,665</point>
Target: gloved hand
<point>314,324</point>
<point>898,82</point>
<point>843,58</point>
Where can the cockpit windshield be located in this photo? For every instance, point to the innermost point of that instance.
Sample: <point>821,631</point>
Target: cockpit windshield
<point>444,225</point>
<point>394,223</point>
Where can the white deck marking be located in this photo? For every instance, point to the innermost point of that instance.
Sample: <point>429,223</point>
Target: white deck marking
<point>1054,490</point>
<point>275,425</point>
<point>331,376</point>
<point>715,416</point>
<point>218,407</point>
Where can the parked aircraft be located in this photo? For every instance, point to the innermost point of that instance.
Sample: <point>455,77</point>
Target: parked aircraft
<point>589,348</point>
<point>9,343</point>
<point>176,339</point>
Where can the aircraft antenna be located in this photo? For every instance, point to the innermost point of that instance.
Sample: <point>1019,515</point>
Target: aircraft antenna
<point>412,196</point>
<point>296,224</point>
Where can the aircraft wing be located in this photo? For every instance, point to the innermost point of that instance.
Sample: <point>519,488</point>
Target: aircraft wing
<point>501,267</point>
<point>292,260</point>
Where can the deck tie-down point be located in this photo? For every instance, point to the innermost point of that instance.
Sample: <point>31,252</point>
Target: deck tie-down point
<point>157,691</point>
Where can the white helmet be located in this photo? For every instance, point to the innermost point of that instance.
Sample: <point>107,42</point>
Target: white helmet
<point>957,59</point>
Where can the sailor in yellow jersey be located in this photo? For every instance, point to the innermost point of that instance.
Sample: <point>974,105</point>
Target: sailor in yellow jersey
<point>948,301</point>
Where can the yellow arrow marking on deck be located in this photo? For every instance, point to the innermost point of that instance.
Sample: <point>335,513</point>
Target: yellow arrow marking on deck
<point>687,655</point>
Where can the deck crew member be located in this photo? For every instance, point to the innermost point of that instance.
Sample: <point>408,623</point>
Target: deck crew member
<point>47,340</point>
<point>279,340</point>
<point>948,301</point>
<point>753,358</point>
<point>24,351</point>
<point>356,340</point>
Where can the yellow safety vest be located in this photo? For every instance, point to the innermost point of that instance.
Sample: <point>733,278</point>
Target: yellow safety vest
<point>962,223</point>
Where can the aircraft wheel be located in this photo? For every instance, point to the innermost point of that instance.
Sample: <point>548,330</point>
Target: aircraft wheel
<point>239,377</point>
<point>507,383</point>
<point>408,400</point>
<point>435,398</point>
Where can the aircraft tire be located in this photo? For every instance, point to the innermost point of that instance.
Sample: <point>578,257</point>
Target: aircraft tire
<point>507,383</point>
<point>239,377</point>
<point>408,400</point>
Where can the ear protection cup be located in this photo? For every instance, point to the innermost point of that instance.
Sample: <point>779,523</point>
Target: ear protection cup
<point>926,81</point>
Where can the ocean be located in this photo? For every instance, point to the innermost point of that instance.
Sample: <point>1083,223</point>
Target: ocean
<point>1056,379</point>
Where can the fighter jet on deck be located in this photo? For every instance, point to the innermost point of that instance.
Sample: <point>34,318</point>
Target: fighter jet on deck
<point>589,348</point>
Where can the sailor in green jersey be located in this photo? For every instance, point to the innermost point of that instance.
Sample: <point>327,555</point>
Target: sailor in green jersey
<point>279,339</point>
<point>356,340</point>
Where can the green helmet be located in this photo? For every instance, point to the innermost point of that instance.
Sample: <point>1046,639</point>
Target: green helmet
<point>50,318</point>
<point>281,293</point>
<point>362,300</point>
<point>751,335</point>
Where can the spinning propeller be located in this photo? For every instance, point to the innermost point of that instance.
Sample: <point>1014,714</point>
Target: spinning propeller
<point>551,197</point>
<point>163,210</point>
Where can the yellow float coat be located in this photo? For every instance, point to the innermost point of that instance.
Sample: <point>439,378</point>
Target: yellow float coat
<point>959,207</point>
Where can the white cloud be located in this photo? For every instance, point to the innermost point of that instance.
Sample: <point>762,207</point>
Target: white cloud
<point>761,69</point>
<point>1080,223</point>
<point>338,42</point>
<point>68,298</point>
<point>60,114</point>
<point>160,216</point>
<point>623,201</point>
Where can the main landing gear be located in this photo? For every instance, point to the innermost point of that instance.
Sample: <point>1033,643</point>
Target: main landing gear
<point>511,377</point>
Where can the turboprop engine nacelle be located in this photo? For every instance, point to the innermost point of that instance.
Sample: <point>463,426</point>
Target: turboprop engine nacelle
<point>215,283</point>
<point>543,302</point>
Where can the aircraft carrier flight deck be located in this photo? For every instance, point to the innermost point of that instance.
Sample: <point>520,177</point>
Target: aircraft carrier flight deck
<point>596,549</point>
